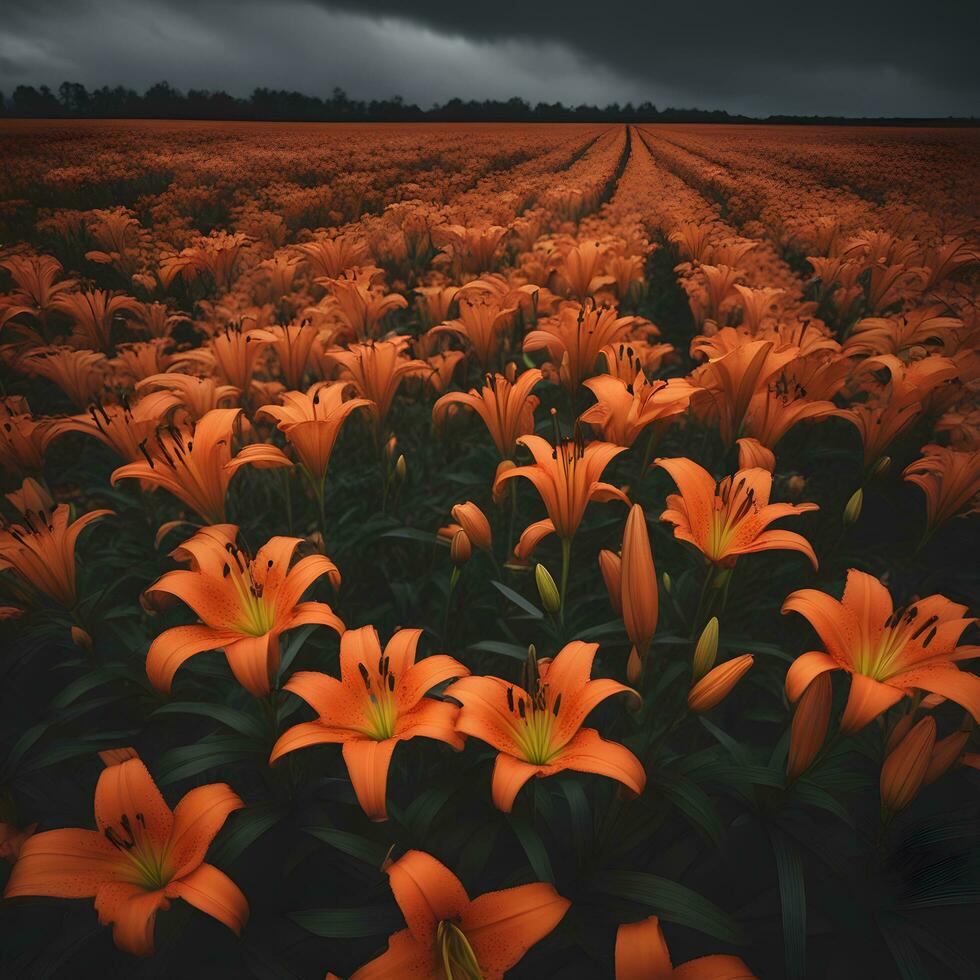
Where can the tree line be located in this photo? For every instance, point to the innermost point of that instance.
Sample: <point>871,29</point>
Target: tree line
<point>72,100</point>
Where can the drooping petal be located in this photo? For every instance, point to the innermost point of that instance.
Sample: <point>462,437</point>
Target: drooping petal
<point>63,864</point>
<point>509,775</point>
<point>253,661</point>
<point>779,540</point>
<point>589,752</point>
<point>367,764</point>
<point>209,889</point>
<point>803,669</point>
<point>427,892</point>
<point>309,733</point>
<point>531,536</point>
<point>132,911</point>
<point>176,645</point>
<point>197,819</point>
<point>502,926</point>
<point>867,699</point>
<point>949,681</point>
<point>641,951</point>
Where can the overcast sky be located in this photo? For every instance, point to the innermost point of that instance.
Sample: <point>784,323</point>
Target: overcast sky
<point>847,57</point>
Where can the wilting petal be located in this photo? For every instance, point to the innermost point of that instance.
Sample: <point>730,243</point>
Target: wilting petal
<point>197,819</point>
<point>127,790</point>
<point>172,647</point>
<point>427,892</point>
<point>803,669</point>
<point>132,911</point>
<point>867,699</point>
<point>209,889</point>
<point>367,763</point>
<point>641,951</point>
<point>502,926</point>
<point>63,864</point>
<point>262,456</point>
<point>509,775</point>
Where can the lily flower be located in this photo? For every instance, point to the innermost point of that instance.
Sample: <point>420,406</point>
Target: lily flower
<point>469,518</point>
<point>231,354</point>
<point>190,464</point>
<point>642,954</point>
<point>729,520</point>
<point>949,479</point>
<point>23,440</point>
<point>197,396</point>
<point>311,422</point>
<point>245,604</point>
<point>361,305</point>
<point>449,934</point>
<point>41,552</point>
<point>80,374</point>
<point>379,701</point>
<point>537,729</point>
<point>506,407</point>
<point>638,587</point>
<point>567,478</point>
<point>143,855</point>
<point>294,349</point>
<point>377,370</point>
<point>93,314</point>
<point>622,411</point>
<point>889,653</point>
<point>575,338</point>
<point>481,325</point>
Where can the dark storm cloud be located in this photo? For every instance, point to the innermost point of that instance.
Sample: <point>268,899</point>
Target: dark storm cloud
<point>856,57</point>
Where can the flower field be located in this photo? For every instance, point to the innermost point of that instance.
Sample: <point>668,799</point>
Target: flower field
<point>488,549</point>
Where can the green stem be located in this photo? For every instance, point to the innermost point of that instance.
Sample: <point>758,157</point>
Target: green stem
<point>453,579</point>
<point>287,492</point>
<point>566,562</point>
<point>702,600</point>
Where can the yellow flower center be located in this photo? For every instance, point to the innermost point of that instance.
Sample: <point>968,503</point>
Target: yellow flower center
<point>534,726</point>
<point>458,959</point>
<point>382,707</point>
<point>150,865</point>
<point>901,629</point>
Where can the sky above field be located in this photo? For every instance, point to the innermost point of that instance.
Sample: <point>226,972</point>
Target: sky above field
<point>859,57</point>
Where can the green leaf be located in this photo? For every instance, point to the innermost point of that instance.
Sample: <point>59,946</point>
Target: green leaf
<point>209,753</point>
<point>671,901</point>
<point>356,923</point>
<point>369,851</point>
<point>518,600</point>
<point>537,853</point>
<point>411,534</point>
<point>812,795</point>
<point>292,647</point>
<point>497,646</point>
<point>243,829</point>
<point>902,948</point>
<point>792,896</point>
<point>236,720</point>
<point>692,801</point>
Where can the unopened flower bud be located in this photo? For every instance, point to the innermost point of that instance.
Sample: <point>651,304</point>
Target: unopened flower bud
<point>547,590</point>
<point>391,446</point>
<point>810,723</point>
<point>852,511</point>
<point>905,768</point>
<point>401,468</point>
<point>610,565</point>
<point>796,484</point>
<point>668,584</point>
<point>460,548</point>
<point>882,466</point>
<point>706,652</point>
<point>717,684</point>
<point>81,639</point>
<point>945,754</point>
<point>501,490</point>
<point>474,522</point>
<point>634,667</point>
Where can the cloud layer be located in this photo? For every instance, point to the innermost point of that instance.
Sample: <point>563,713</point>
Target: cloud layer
<point>865,58</point>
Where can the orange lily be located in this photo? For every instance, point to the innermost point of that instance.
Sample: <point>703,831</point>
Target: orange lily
<point>474,249</point>
<point>642,954</point>
<point>622,411</point>
<point>379,701</point>
<point>450,935</point>
<point>123,427</point>
<point>330,257</point>
<point>481,325</point>
<point>377,370</point>
<point>580,269</point>
<point>93,314</point>
<point>245,605</point>
<point>198,396</point>
<point>506,407</point>
<point>888,652</point>
<point>730,520</point>
<point>142,855</point>
<point>567,478</point>
<point>575,338</point>
<point>41,552</point>
<point>31,496</point>
<point>231,353</point>
<point>190,464</point>
<point>638,587</point>
<point>80,374</point>
<point>311,422</point>
<point>471,520</point>
<point>23,440</point>
<point>537,729</point>
<point>362,305</point>
<point>949,479</point>
<point>734,378</point>
<point>294,349</point>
